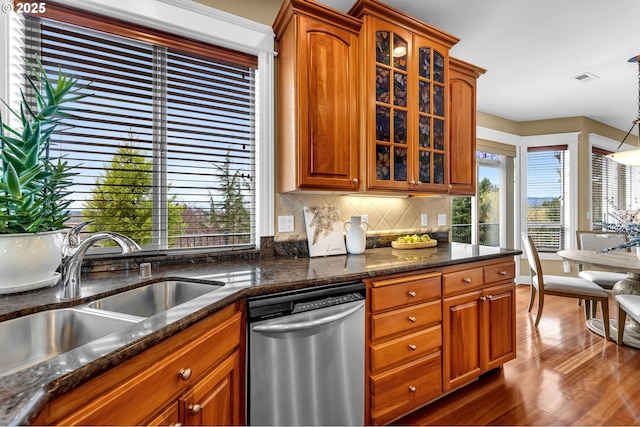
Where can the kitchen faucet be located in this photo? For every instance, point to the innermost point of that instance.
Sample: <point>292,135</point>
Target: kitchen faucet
<point>74,250</point>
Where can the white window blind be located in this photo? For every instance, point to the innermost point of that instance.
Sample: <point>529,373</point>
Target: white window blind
<point>547,182</point>
<point>165,144</point>
<point>613,187</point>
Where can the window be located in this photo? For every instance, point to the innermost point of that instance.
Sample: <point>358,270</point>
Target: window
<point>165,145</point>
<point>613,186</point>
<point>547,208</point>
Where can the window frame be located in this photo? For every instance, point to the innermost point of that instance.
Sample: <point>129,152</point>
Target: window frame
<point>569,139</point>
<point>603,145</point>
<point>192,21</point>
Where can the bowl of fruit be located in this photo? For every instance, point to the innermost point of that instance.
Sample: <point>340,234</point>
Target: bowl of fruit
<point>414,241</point>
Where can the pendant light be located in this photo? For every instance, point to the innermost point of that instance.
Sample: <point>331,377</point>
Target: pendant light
<point>631,157</point>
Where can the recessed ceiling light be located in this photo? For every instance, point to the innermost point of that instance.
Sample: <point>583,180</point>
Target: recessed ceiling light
<point>585,77</point>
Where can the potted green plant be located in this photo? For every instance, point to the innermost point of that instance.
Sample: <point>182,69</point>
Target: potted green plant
<point>33,186</point>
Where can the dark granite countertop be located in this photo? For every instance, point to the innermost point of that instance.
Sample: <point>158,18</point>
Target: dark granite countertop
<point>23,394</point>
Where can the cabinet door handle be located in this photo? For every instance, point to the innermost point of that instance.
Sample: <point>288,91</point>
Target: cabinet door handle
<point>467,280</point>
<point>355,180</point>
<point>490,297</point>
<point>412,182</point>
<point>184,374</point>
<point>483,298</point>
<point>419,183</point>
<point>412,389</point>
<point>194,409</point>
<point>412,319</point>
<point>175,425</point>
<point>412,346</point>
<point>411,294</point>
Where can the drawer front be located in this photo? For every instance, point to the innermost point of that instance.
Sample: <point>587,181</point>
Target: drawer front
<point>462,281</point>
<point>393,293</point>
<point>136,397</point>
<point>499,272</point>
<point>406,388</point>
<point>405,319</point>
<point>405,348</point>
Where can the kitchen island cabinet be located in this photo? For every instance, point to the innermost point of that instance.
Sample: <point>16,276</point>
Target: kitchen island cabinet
<point>478,320</point>
<point>96,378</point>
<point>403,363</point>
<point>192,378</point>
<point>432,332</point>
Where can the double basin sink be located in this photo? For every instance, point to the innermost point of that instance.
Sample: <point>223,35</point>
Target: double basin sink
<point>28,340</point>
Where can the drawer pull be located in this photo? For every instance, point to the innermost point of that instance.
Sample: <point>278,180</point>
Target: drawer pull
<point>184,374</point>
<point>467,280</point>
<point>194,409</point>
<point>411,294</point>
<point>490,297</point>
<point>412,346</point>
<point>503,273</point>
<point>483,298</point>
<point>412,319</point>
<point>355,180</point>
<point>412,389</point>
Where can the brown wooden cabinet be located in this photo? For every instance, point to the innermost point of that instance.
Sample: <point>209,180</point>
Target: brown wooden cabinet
<point>404,341</point>
<point>431,332</point>
<point>462,125</point>
<point>210,402</point>
<point>478,321</point>
<point>197,368</point>
<point>405,99</point>
<point>317,118</point>
<point>371,96</point>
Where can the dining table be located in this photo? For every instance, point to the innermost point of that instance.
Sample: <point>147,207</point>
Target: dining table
<point>616,260</point>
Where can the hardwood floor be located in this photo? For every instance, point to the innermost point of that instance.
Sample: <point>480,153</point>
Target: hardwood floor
<point>563,374</point>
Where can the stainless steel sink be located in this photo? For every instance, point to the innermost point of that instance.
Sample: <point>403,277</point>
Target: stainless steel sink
<point>34,338</point>
<point>154,298</point>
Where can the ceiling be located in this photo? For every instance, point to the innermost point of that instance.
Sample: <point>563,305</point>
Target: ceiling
<point>531,50</point>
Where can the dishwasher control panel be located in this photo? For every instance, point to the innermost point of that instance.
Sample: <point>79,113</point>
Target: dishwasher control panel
<point>326,302</point>
<point>299,301</point>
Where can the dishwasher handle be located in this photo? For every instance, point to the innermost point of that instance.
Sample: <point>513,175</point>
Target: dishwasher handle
<point>300,326</point>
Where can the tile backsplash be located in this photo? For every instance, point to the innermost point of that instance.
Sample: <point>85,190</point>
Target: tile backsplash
<point>385,214</point>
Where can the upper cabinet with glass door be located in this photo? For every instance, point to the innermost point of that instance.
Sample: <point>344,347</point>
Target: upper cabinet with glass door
<point>405,64</point>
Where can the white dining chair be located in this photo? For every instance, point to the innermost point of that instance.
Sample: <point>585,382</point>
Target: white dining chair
<point>627,304</point>
<point>563,286</point>
<point>597,241</point>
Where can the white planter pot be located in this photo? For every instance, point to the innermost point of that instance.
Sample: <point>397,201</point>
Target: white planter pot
<point>29,261</point>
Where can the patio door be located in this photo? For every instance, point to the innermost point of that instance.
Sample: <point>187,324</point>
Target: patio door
<point>477,219</point>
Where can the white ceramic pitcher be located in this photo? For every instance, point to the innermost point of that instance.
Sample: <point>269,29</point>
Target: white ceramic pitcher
<point>356,240</point>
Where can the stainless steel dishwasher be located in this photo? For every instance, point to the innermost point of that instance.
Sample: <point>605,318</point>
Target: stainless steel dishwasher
<point>306,357</point>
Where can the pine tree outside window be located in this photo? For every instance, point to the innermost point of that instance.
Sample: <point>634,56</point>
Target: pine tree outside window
<point>165,145</point>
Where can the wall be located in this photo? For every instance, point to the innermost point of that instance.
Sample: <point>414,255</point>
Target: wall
<point>385,214</point>
<point>263,11</point>
<point>552,264</point>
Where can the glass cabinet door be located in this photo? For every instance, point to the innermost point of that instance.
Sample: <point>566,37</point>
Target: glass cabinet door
<point>407,129</point>
<point>431,126</point>
<point>391,134</point>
